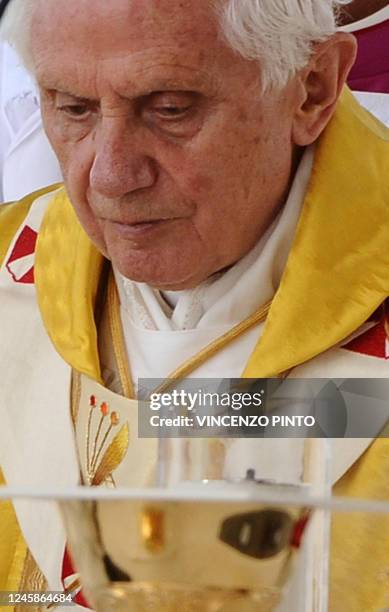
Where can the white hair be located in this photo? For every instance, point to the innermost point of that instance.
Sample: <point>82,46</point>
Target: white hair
<point>279,34</point>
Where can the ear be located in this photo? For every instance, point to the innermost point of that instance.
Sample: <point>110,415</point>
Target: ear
<point>320,85</point>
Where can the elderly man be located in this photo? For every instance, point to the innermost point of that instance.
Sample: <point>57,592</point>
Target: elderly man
<point>218,180</point>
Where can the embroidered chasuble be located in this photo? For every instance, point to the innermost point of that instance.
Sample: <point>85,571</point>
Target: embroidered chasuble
<point>326,319</point>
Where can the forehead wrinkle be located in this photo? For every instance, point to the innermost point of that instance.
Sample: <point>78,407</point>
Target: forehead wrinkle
<point>174,76</point>
<point>125,63</point>
<point>88,22</point>
<point>177,77</point>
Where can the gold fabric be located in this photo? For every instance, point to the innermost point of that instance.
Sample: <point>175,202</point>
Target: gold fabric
<point>12,547</point>
<point>359,569</point>
<point>18,570</point>
<point>32,580</point>
<point>337,271</point>
<point>116,333</point>
<point>67,275</point>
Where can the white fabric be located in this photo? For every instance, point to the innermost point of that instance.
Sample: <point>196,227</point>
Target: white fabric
<point>27,161</point>
<point>375,103</point>
<point>21,266</point>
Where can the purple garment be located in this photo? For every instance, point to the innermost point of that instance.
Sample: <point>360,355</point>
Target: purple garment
<point>371,70</point>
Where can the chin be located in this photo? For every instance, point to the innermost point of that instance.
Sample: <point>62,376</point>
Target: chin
<point>164,280</point>
<point>170,269</point>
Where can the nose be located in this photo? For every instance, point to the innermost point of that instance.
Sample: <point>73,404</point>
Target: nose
<point>120,165</point>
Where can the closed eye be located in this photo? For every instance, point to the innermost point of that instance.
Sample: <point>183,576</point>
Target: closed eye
<point>72,106</point>
<point>172,112</point>
<point>75,110</point>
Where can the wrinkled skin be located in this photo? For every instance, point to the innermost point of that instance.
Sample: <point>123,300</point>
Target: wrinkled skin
<point>174,161</point>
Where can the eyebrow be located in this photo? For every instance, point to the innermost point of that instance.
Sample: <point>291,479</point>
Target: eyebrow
<point>162,84</point>
<point>49,84</point>
<point>64,92</point>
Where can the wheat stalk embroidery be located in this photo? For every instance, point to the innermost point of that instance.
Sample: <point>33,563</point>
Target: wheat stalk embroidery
<point>103,458</point>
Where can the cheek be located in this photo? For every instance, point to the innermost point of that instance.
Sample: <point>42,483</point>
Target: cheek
<point>238,181</point>
<point>73,148</point>
<point>77,181</point>
<point>201,183</point>
<point>76,159</point>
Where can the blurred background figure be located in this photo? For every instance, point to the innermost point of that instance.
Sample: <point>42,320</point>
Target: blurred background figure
<point>368,20</point>
<point>27,161</point>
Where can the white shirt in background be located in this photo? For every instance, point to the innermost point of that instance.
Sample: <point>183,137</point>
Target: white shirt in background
<point>27,161</point>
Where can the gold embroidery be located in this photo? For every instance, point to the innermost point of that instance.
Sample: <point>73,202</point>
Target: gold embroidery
<point>32,579</point>
<point>113,454</point>
<point>70,590</point>
<point>75,395</point>
<point>115,326</point>
<point>112,457</point>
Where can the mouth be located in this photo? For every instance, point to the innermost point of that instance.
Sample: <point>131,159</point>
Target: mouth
<point>140,227</point>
